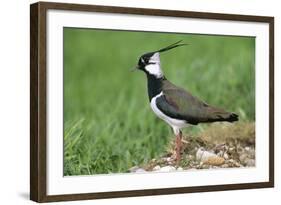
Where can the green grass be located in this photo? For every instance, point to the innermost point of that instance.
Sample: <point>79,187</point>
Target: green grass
<point>108,124</point>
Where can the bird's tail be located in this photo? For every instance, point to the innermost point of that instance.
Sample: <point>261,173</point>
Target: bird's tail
<point>217,114</point>
<point>232,117</point>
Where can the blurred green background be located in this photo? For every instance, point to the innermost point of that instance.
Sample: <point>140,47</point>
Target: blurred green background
<point>108,123</point>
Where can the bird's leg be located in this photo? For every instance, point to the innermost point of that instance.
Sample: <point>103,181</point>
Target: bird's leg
<point>178,146</point>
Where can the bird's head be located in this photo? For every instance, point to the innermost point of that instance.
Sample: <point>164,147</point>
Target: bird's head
<point>150,62</point>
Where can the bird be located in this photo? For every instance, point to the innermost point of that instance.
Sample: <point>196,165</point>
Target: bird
<point>173,104</point>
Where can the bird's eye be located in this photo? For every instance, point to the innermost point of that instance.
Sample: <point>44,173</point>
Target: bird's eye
<point>144,60</point>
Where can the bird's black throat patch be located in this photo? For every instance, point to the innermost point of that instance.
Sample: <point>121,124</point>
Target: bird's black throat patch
<point>154,85</point>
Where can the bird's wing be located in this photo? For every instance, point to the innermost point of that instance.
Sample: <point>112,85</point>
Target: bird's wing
<point>180,104</point>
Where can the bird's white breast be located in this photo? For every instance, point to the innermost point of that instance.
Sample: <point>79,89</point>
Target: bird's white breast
<point>174,123</point>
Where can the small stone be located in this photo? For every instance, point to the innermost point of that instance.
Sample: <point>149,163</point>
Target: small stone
<point>237,164</point>
<point>199,153</point>
<point>156,168</point>
<point>215,161</point>
<point>224,166</point>
<point>206,166</point>
<point>225,156</point>
<point>209,158</point>
<point>220,153</point>
<point>233,163</point>
<point>179,169</point>
<point>226,147</point>
<point>167,169</point>
<point>140,170</point>
<point>250,162</point>
<point>251,153</point>
<point>243,158</point>
<point>231,149</point>
<point>169,159</point>
<point>133,169</point>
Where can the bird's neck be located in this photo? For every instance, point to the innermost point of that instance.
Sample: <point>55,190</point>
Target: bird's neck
<point>154,85</point>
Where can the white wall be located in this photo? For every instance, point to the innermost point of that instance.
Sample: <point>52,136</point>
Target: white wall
<point>14,92</point>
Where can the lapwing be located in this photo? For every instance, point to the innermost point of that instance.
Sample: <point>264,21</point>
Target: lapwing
<point>173,104</point>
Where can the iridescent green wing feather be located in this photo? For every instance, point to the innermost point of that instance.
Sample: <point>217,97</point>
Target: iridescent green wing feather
<point>180,104</point>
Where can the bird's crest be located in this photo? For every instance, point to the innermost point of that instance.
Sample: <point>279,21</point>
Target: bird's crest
<point>174,45</point>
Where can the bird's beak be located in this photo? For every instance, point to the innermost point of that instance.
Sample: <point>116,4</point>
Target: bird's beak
<point>134,69</point>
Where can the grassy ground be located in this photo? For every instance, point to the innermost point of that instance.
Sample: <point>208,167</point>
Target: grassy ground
<point>227,145</point>
<point>108,124</point>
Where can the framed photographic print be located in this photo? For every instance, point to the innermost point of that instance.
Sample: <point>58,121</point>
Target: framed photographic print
<point>197,114</point>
